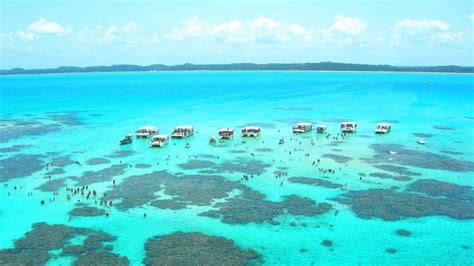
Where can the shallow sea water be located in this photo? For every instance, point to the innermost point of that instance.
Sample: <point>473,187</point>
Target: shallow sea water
<point>82,117</point>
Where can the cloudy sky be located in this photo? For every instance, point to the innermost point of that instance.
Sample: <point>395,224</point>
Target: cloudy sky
<point>51,33</point>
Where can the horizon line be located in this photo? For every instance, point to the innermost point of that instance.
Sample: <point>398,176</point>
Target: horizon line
<point>307,66</point>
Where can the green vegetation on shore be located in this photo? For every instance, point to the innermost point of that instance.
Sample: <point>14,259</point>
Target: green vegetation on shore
<point>323,66</point>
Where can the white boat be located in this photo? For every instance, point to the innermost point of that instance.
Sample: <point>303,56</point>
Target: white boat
<point>182,132</point>
<point>321,128</point>
<point>127,139</point>
<point>226,133</point>
<point>383,128</point>
<point>348,127</point>
<point>250,131</point>
<point>421,141</point>
<point>159,140</point>
<point>146,131</point>
<point>302,127</point>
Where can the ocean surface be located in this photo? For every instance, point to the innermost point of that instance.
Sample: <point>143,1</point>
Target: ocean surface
<point>318,199</point>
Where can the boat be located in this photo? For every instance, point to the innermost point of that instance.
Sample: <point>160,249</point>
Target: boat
<point>421,141</point>
<point>383,128</point>
<point>250,131</point>
<point>212,140</point>
<point>126,140</point>
<point>226,133</point>
<point>182,132</point>
<point>159,140</point>
<point>146,131</point>
<point>348,127</point>
<point>321,128</point>
<point>302,127</point>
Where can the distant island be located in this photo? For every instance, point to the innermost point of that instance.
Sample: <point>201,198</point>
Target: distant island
<point>323,66</point>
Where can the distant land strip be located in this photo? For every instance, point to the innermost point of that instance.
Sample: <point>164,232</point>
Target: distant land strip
<point>323,66</point>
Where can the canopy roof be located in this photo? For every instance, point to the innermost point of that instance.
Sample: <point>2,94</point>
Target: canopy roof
<point>304,124</point>
<point>184,127</point>
<point>349,123</point>
<point>226,129</point>
<point>148,128</point>
<point>251,127</point>
<point>159,137</point>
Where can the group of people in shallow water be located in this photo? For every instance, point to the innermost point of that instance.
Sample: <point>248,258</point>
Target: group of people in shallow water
<point>88,194</point>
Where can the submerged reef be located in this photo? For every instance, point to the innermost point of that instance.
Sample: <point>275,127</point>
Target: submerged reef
<point>425,197</point>
<point>239,165</point>
<point>440,127</point>
<point>13,128</point>
<point>337,158</point>
<point>202,190</point>
<point>36,246</point>
<point>385,153</point>
<point>251,207</point>
<point>121,154</point>
<point>403,232</point>
<point>197,249</point>
<point>423,135</point>
<point>106,174</point>
<point>96,161</point>
<point>21,165</point>
<point>14,148</point>
<point>87,211</point>
<point>52,185</point>
<point>314,182</point>
<point>394,177</point>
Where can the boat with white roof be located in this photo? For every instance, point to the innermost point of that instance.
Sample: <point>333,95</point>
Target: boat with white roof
<point>182,132</point>
<point>383,128</point>
<point>159,140</point>
<point>348,127</point>
<point>146,131</point>
<point>226,133</point>
<point>302,127</point>
<point>250,131</point>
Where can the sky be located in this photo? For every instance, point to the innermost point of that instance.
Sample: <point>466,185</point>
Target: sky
<point>52,33</point>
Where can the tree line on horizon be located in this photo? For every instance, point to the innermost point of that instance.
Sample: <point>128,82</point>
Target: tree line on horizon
<point>323,66</point>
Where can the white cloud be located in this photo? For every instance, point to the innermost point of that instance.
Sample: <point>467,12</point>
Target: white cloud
<point>348,26</point>
<point>431,32</point>
<point>259,30</point>
<point>413,26</point>
<point>130,27</point>
<point>26,36</point>
<point>121,36</point>
<point>344,31</point>
<point>45,26</point>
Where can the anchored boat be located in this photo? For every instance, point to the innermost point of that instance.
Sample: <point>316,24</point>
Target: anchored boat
<point>348,127</point>
<point>182,132</point>
<point>126,140</point>
<point>146,131</point>
<point>159,140</point>
<point>226,133</point>
<point>321,128</point>
<point>383,128</point>
<point>250,131</point>
<point>302,127</point>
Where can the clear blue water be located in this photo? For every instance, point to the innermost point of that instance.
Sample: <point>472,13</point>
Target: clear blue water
<point>109,105</point>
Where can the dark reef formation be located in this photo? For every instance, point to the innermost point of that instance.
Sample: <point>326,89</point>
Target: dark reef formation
<point>36,246</point>
<point>197,249</point>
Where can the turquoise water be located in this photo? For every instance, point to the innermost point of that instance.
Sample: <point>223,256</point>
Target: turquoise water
<point>82,116</point>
